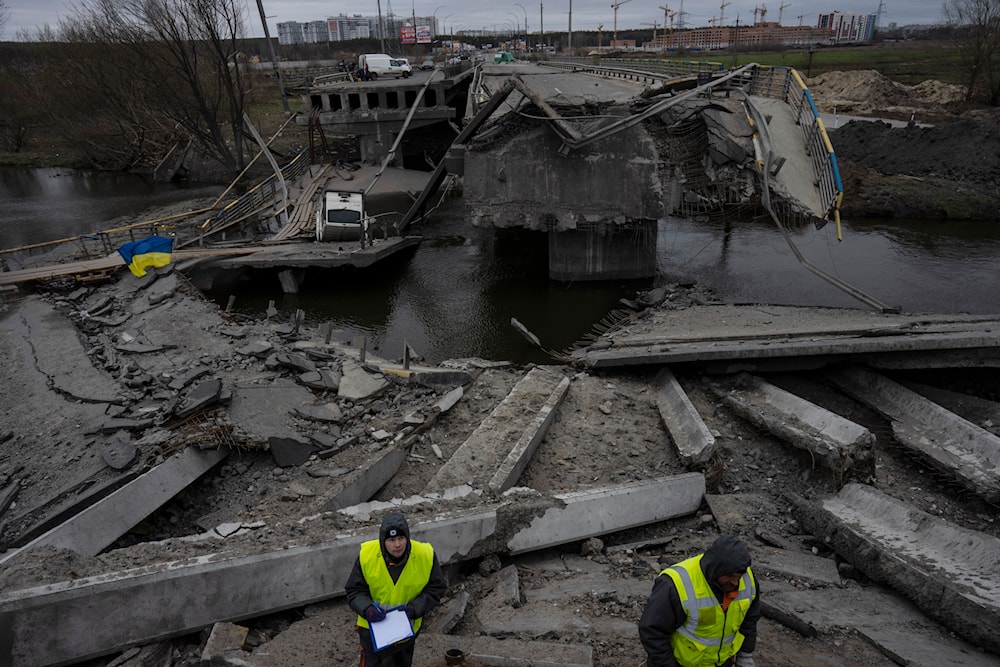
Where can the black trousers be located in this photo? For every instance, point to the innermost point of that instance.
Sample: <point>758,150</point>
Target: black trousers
<point>397,655</point>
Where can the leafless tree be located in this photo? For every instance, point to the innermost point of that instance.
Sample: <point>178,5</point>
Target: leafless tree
<point>161,68</point>
<point>976,24</point>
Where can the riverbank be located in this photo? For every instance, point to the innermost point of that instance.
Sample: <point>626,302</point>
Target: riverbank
<point>130,372</point>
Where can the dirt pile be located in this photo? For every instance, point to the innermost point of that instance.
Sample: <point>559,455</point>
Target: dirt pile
<point>869,92</point>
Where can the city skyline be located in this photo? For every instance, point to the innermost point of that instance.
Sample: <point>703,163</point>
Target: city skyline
<point>587,15</point>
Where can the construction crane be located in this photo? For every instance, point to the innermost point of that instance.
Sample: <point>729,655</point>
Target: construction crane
<point>763,12</point>
<point>800,17</point>
<point>722,13</point>
<point>666,15</point>
<point>670,39</point>
<point>781,10</point>
<point>655,25</point>
<point>615,6</point>
<point>600,27</point>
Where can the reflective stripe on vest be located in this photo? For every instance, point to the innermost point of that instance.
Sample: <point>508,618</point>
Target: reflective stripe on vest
<point>689,579</point>
<point>412,580</point>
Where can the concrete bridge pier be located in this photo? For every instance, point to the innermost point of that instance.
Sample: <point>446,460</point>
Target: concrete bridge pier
<point>599,204</point>
<point>604,252</point>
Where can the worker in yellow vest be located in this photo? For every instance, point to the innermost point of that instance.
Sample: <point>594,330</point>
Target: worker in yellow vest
<point>703,611</point>
<point>393,572</point>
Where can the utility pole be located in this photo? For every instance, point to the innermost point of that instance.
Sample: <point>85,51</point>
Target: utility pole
<point>615,6</point>
<point>569,32</point>
<point>600,27</point>
<point>274,59</point>
<point>541,22</point>
<point>381,30</point>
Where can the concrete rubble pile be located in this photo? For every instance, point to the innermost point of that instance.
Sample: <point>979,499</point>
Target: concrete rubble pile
<point>285,446</point>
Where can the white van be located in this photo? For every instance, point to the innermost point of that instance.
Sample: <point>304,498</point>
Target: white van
<point>376,65</point>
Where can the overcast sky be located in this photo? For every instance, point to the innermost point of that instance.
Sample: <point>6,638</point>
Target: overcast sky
<point>477,14</point>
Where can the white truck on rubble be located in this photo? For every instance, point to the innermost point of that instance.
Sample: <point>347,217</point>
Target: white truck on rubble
<point>341,216</point>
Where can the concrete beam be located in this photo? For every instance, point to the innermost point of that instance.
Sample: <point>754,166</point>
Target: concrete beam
<point>71,621</point>
<point>950,572</point>
<point>506,435</point>
<point>520,454</point>
<point>954,444</point>
<point>98,526</point>
<point>694,442</point>
<point>897,628</point>
<point>837,442</point>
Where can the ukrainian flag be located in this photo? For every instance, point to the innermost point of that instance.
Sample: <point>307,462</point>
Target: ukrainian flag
<point>152,251</point>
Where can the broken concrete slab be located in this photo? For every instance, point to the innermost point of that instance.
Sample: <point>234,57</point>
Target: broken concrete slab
<point>289,452</point>
<point>60,356</point>
<point>747,336</point>
<point>322,380</point>
<point>954,444</point>
<point>98,526</point>
<point>448,615</point>
<point>836,442</point>
<point>184,380</point>
<point>519,420</point>
<point>75,620</point>
<point>260,411</point>
<point>359,383</point>
<point>225,643</point>
<point>324,412</point>
<point>890,622</point>
<point>201,397</point>
<point>949,572</point>
<point>694,442</point>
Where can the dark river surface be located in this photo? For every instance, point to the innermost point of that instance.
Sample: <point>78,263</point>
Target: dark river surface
<point>455,295</point>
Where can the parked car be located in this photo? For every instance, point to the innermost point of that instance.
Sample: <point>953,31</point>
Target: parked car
<point>503,57</point>
<point>427,64</point>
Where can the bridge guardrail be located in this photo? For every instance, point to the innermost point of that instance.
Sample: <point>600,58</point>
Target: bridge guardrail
<point>106,241</point>
<point>645,71</point>
<point>786,84</point>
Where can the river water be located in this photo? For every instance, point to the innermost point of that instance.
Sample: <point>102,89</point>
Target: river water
<point>455,295</point>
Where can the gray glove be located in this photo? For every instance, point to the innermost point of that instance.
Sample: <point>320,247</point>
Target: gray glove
<point>744,660</point>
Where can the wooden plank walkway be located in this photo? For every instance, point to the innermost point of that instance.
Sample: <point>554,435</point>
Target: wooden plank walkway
<point>106,264</point>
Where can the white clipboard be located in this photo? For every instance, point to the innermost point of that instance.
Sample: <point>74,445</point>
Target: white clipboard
<point>396,627</point>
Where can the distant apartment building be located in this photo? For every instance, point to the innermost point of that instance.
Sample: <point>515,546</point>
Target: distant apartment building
<point>848,27</point>
<point>343,27</point>
<point>834,28</point>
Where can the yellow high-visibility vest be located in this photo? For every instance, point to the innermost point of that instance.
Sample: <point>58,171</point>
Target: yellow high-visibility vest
<point>710,636</point>
<point>412,580</point>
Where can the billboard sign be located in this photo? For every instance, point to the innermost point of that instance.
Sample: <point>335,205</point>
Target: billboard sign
<point>407,34</point>
<point>423,34</point>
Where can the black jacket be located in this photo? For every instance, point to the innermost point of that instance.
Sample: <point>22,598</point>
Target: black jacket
<point>664,614</point>
<point>358,593</point>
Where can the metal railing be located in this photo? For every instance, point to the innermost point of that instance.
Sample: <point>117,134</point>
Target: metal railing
<point>260,200</point>
<point>785,83</point>
<point>640,71</point>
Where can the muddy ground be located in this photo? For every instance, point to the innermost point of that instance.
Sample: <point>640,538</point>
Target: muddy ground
<point>607,431</point>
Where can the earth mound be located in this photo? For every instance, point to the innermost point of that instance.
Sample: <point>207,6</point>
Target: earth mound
<point>868,91</point>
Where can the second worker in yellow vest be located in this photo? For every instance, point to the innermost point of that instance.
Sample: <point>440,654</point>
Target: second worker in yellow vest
<point>703,611</point>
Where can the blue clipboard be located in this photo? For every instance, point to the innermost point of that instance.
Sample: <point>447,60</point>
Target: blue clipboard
<point>395,628</point>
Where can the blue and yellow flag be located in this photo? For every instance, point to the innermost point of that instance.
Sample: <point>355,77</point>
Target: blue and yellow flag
<point>152,251</point>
